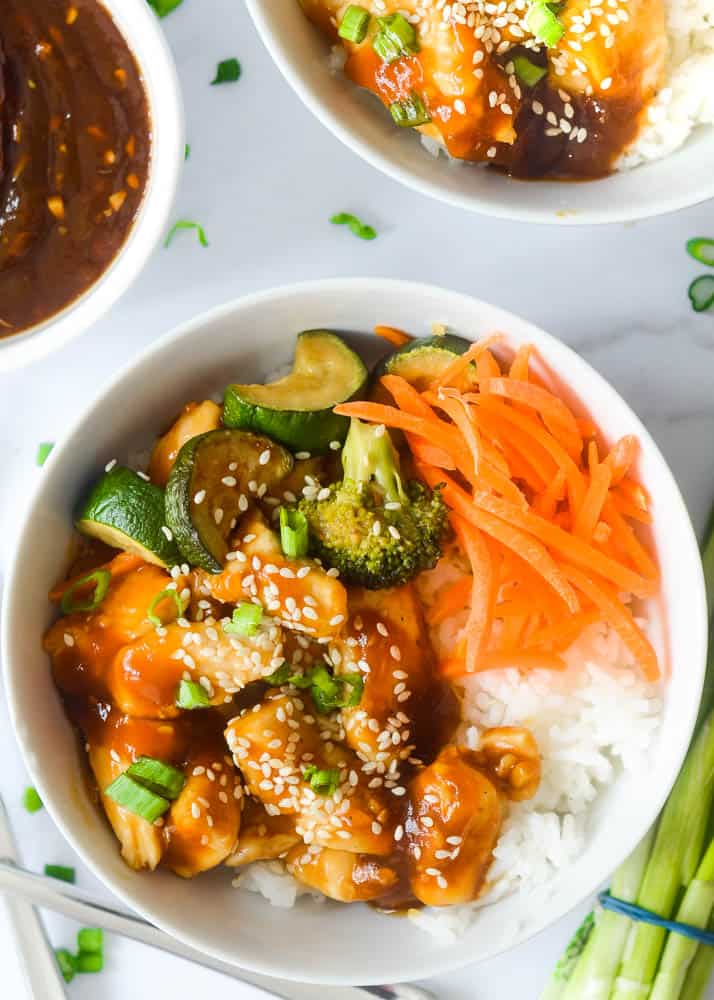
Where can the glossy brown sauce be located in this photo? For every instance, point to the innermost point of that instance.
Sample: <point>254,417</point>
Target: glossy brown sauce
<point>74,153</point>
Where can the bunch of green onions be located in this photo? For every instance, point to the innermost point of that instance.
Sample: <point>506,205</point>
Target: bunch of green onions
<point>670,873</point>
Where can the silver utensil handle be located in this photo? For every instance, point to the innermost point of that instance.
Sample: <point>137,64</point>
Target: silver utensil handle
<point>79,905</point>
<point>43,977</point>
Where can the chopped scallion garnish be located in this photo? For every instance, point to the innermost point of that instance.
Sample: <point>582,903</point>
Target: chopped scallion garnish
<point>164,7</point>
<point>169,594</point>
<point>62,872</point>
<point>67,964</point>
<point>293,533</point>
<point>139,800</point>
<point>31,800</point>
<point>702,249</point>
<point>187,151</point>
<point>227,71</point>
<point>187,224</point>
<point>529,73</point>
<point>283,675</point>
<point>354,24</point>
<point>323,781</point>
<point>160,778</point>
<point>544,24</point>
<point>701,293</point>
<point>396,38</point>
<point>410,113</point>
<point>43,451</point>
<point>90,940</point>
<point>89,962</point>
<point>354,225</point>
<point>97,582</point>
<point>246,619</point>
<point>191,695</point>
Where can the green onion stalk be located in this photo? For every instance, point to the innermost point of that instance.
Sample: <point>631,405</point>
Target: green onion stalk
<point>620,957</point>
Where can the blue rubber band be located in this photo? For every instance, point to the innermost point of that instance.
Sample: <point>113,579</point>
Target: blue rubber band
<point>635,912</point>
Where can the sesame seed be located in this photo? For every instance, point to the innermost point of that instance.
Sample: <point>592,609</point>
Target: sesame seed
<point>335,445</point>
<point>68,639</point>
<point>218,515</point>
<point>110,465</point>
<point>167,532</point>
<point>229,480</point>
<point>264,457</point>
<point>302,456</point>
<point>395,652</point>
<point>337,620</point>
<point>377,528</point>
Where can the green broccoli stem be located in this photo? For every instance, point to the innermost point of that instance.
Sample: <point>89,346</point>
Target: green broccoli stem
<point>369,458</point>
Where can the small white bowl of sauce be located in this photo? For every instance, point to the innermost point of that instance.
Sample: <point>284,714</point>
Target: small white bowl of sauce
<point>92,120</point>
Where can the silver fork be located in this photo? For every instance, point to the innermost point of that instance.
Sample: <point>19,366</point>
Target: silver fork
<point>26,887</point>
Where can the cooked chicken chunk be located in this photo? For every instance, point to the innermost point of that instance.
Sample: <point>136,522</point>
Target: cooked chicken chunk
<point>146,674</point>
<point>195,419</point>
<point>277,744</point>
<point>511,757</point>
<point>262,837</point>
<point>341,875</point>
<point>203,823</point>
<point>297,591</point>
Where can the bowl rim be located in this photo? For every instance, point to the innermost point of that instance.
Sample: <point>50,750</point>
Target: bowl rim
<point>678,198</point>
<point>430,964</point>
<point>135,20</point>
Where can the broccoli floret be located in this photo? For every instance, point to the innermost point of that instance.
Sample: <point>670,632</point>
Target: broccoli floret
<point>376,530</point>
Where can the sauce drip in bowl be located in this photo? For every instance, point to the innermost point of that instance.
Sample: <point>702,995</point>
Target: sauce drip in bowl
<point>75,143</point>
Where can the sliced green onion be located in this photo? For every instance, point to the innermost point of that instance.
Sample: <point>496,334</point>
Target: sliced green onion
<point>191,695</point>
<point>280,676</point>
<point>410,113</point>
<point>701,293</point>
<point>138,800</point>
<point>227,71</point>
<point>356,683</point>
<point>354,24</point>
<point>43,450</point>
<point>169,594</point>
<point>89,962</point>
<point>543,23</point>
<point>99,579</point>
<point>355,225</point>
<point>396,38</point>
<point>90,941</point>
<point>187,151</point>
<point>528,72</point>
<point>702,249</point>
<point>187,224</point>
<point>31,800</point>
<point>164,7</point>
<point>293,533</point>
<point>246,619</point>
<point>161,779</point>
<point>324,689</point>
<point>67,964</point>
<point>62,872</point>
<point>323,781</point>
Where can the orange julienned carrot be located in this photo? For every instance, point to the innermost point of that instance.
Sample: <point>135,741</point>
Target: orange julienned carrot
<point>547,502</point>
<point>454,598</point>
<point>587,518</point>
<point>620,618</point>
<point>540,400</point>
<point>478,626</point>
<point>564,632</point>
<point>462,361</point>
<point>527,659</point>
<point>487,366</point>
<point>621,456</point>
<point>393,335</point>
<point>521,363</point>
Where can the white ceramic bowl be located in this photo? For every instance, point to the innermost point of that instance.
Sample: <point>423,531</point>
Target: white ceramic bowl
<point>314,942</point>
<point>144,36</point>
<point>301,53</point>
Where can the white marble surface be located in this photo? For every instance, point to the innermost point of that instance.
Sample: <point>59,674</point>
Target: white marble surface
<point>263,179</point>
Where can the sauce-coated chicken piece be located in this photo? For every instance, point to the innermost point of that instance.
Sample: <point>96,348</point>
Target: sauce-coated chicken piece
<point>262,837</point>
<point>453,822</point>
<point>511,757</point>
<point>195,419</point>
<point>275,743</point>
<point>341,875</point>
<point>112,748</point>
<point>203,824</point>
<point>83,644</point>
<point>145,674</point>
<point>296,591</point>
<point>403,705</point>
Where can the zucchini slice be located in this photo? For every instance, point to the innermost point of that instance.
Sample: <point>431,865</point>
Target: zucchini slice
<point>127,512</point>
<point>297,410</point>
<point>203,495</point>
<point>423,359</point>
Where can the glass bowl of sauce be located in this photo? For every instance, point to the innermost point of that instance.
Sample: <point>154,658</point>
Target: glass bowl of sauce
<point>91,144</point>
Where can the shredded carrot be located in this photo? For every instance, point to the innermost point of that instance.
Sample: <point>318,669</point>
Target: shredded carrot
<point>396,337</point>
<point>487,366</point>
<point>621,457</point>
<point>635,492</point>
<point>523,660</point>
<point>586,428</point>
<point>458,410</point>
<point>620,618</point>
<point>521,363</point>
<point>459,365</point>
<point>429,453</point>
<point>590,511</point>
<point>629,508</point>
<point>564,632</point>
<point>625,536</point>
<point>122,563</point>
<point>546,503</point>
<point>407,397</point>
<point>538,399</point>
<point>478,626</point>
<point>455,598</point>
<point>602,533</point>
